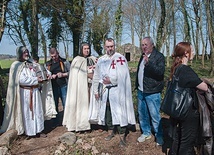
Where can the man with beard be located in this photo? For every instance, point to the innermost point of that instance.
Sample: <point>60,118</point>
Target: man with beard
<point>24,110</point>
<point>112,104</point>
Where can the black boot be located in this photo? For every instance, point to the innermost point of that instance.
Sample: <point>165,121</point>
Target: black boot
<point>123,140</point>
<point>109,137</point>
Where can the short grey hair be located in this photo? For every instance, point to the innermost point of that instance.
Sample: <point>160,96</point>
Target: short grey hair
<point>150,39</point>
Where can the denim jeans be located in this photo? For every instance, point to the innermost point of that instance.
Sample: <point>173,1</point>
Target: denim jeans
<point>149,113</point>
<point>59,92</point>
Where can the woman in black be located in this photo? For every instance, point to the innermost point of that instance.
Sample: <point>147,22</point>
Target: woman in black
<point>184,132</point>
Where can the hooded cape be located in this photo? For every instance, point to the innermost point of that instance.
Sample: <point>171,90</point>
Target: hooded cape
<point>77,101</point>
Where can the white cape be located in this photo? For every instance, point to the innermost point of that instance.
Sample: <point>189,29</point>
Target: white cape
<point>120,97</point>
<point>13,118</point>
<point>77,101</point>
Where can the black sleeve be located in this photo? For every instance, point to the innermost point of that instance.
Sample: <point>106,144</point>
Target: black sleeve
<point>188,78</point>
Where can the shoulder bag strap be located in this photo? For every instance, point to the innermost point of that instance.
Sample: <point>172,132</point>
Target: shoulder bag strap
<point>177,71</point>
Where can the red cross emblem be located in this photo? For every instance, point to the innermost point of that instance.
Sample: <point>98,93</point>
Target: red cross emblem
<point>92,67</point>
<point>113,64</point>
<point>120,60</point>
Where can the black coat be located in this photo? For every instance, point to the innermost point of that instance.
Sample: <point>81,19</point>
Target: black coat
<point>153,81</point>
<point>206,108</point>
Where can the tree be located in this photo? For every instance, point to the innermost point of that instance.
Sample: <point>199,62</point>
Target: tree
<point>196,9</point>
<point>100,28</point>
<point>3,8</point>
<point>161,25</point>
<point>118,23</point>
<point>210,15</point>
<point>187,36</point>
<point>24,22</point>
<point>100,19</point>
<point>73,13</point>
<point>55,29</point>
<point>34,29</point>
<point>129,13</point>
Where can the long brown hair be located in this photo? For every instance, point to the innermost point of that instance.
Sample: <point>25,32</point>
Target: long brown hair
<point>178,54</point>
<point>81,49</point>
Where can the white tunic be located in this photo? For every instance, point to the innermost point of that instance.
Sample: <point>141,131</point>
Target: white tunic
<point>17,114</point>
<point>33,119</point>
<point>120,95</point>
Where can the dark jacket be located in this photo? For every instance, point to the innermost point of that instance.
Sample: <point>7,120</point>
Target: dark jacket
<point>206,108</point>
<point>66,64</point>
<point>153,80</point>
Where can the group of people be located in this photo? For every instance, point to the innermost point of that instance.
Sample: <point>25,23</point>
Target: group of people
<point>97,91</point>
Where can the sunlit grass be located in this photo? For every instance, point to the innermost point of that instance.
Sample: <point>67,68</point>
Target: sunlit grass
<point>5,63</point>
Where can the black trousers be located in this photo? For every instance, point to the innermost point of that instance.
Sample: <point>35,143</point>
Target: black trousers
<point>108,120</point>
<point>186,134</point>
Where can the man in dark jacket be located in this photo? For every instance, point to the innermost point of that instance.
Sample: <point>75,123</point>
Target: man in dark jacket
<point>59,69</point>
<point>149,83</point>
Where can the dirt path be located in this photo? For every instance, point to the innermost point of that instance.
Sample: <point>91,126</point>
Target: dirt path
<point>94,139</point>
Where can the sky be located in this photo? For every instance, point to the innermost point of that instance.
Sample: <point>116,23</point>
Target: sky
<point>7,46</point>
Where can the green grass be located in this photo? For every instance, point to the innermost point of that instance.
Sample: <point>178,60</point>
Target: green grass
<point>5,63</point>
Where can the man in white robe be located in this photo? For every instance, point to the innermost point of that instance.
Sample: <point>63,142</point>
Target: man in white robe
<point>112,89</point>
<point>23,110</point>
<point>77,101</point>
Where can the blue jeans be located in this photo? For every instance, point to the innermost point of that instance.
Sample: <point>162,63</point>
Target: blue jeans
<point>59,92</point>
<point>149,113</point>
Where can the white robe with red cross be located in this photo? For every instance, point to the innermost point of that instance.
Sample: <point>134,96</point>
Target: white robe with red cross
<point>120,95</point>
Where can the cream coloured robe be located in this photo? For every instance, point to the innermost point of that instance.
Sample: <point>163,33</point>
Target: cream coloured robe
<point>77,101</point>
<point>120,97</point>
<point>13,115</point>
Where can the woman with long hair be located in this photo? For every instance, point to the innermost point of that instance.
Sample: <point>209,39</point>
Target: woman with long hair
<point>184,132</point>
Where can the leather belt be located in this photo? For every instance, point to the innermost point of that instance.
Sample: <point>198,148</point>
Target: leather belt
<point>109,87</point>
<point>31,96</point>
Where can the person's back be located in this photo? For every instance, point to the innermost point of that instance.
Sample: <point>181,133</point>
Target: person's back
<point>185,132</point>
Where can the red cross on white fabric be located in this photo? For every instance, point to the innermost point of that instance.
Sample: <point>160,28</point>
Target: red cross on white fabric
<point>120,60</point>
<point>113,64</point>
<point>92,67</point>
